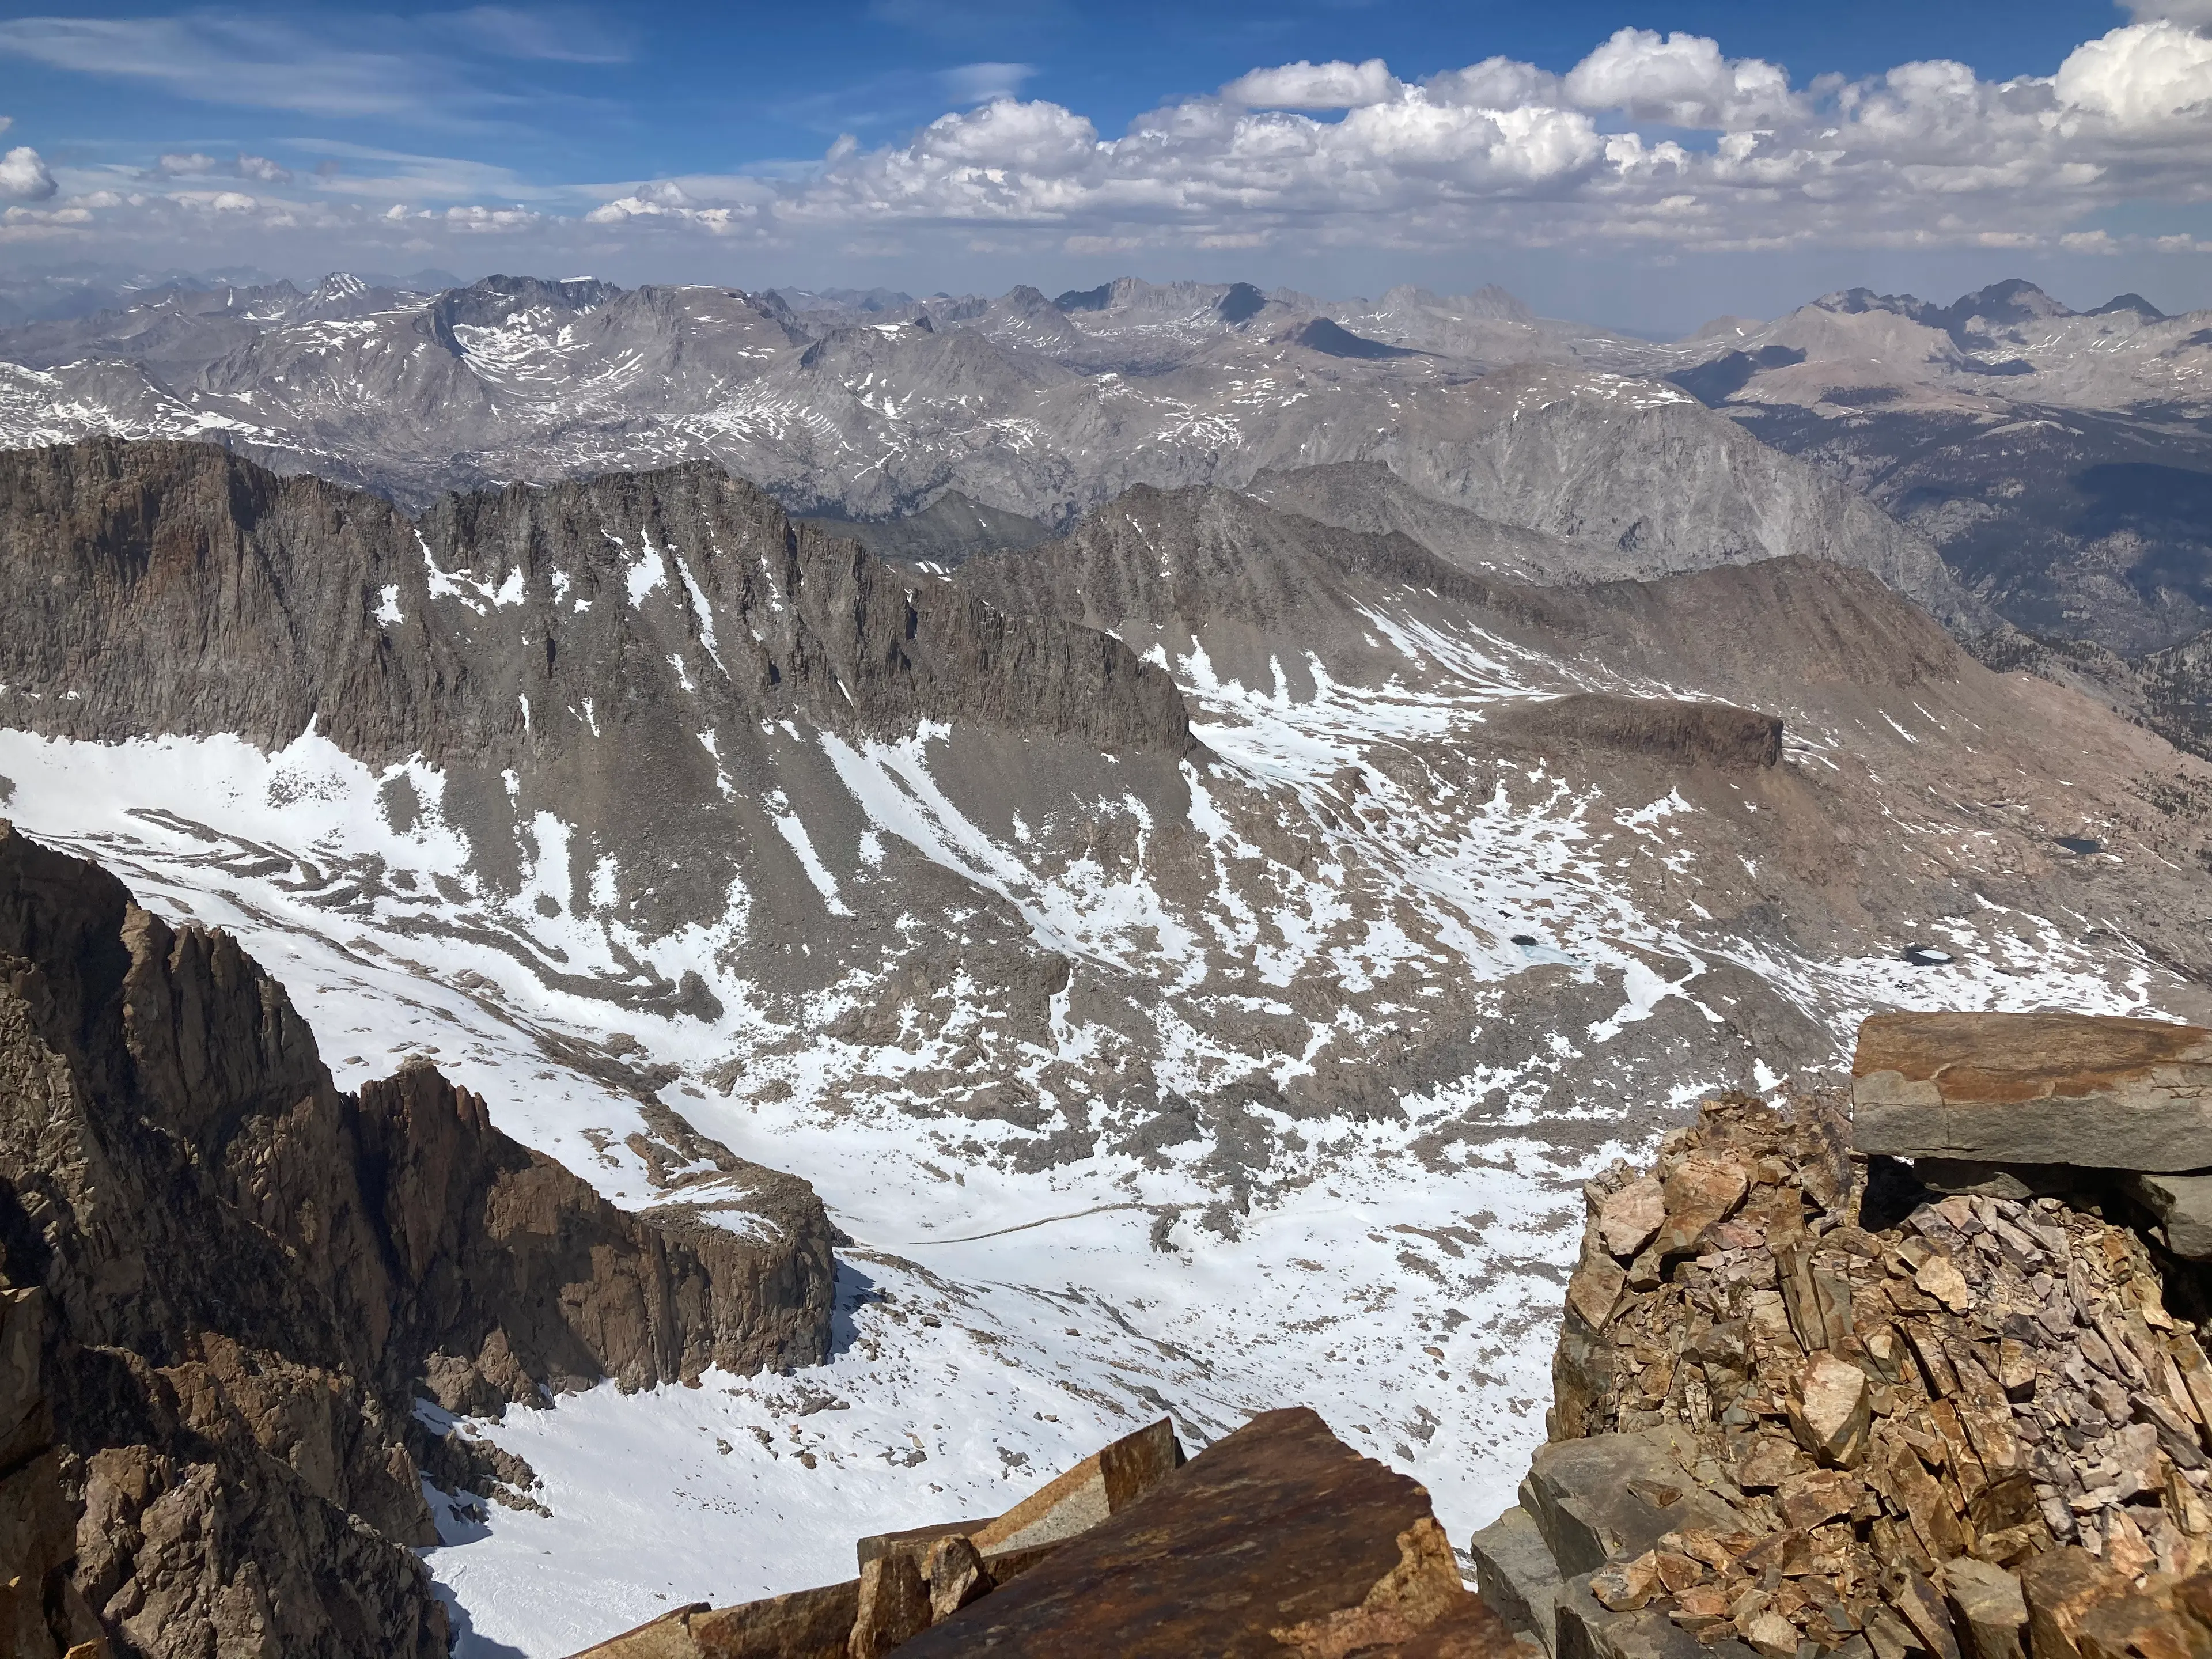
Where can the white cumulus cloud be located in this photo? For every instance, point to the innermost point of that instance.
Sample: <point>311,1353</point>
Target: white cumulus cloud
<point>2144,73</point>
<point>23,175</point>
<point>1335,85</point>
<point>1344,155</point>
<point>2198,13</point>
<point>1681,79</point>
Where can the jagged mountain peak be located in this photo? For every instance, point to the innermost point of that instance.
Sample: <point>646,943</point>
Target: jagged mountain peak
<point>2129,303</point>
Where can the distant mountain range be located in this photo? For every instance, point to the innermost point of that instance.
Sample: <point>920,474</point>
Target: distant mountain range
<point>2039,479</point>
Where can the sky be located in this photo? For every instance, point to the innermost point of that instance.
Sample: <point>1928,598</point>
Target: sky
<point>1647,165</point>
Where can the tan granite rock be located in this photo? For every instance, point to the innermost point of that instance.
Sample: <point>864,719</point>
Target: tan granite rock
<point>1701,1190</point>
<point>1630,1218</point>
<point>1829,1411</point>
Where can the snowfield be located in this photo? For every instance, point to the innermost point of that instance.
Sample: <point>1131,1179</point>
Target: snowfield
<point>995,1325</point>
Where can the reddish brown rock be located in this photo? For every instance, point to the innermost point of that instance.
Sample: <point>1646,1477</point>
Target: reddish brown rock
<point>2094,1091</point>
<point>1277,1537</point>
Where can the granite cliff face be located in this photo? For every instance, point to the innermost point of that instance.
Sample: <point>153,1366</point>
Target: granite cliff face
<point>230,1281</point>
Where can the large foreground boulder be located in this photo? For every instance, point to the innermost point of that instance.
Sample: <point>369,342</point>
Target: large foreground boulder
<point>1277,1540</point>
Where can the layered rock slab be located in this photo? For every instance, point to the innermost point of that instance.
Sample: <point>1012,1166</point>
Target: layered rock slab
<point>1276,1538</point>
<point>2034,1089</point>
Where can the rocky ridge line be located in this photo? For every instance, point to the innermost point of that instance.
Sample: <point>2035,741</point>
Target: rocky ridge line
<point>173,586</point>
<point>226,1283</point>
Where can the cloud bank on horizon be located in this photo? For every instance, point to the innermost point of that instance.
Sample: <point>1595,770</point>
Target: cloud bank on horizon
<point>1652,144</point>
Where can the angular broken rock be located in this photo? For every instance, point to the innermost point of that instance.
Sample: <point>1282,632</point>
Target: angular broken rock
<point>2062,1587</point>
<point>1768,1464</point>
<point>1771,1635</point>
<point>1702,1190</point>
<point>894,1606</point>
<point>2183,1205</point>
<point>1831,1411</point>
<point>1594,1291</point>
<point>1100,1485</point>
<point>955,1575</point>
<point>1615,1496</point>
<point>2025,1089</point>
<point>1987,1606</point>
<point>1806,1500</point>
<point>1939,1277</point>
<point>1631,1218</point>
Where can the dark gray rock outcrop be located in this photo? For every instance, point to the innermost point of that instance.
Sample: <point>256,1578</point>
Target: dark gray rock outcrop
<point>173,587</point>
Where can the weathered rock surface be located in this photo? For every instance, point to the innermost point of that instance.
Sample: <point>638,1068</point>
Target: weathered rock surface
<point>1277,1540</point>
<point>1863,1420</point>
<point>240,1278</point>
<point>2051,1088</point>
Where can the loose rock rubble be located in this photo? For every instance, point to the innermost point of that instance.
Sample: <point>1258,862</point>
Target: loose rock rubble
<point>1803,1411</point>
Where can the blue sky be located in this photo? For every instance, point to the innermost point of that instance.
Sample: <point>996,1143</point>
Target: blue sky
<point>930,143</point>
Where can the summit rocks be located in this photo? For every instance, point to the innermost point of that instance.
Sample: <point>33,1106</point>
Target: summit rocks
<point>1865,1419</point>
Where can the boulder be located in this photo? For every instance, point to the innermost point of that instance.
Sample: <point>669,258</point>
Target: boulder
<point>1611,1497</point>
<point>2183,1205</point>
<point>1630,1218</point>
<point>1589,1629</point>
<point>2034,1089</point>
<point>1516,1575</point>
<point>1277,1540</point>
<point>1702,1190</point>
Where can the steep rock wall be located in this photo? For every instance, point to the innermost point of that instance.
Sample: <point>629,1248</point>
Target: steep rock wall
<point>242,1278</point>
